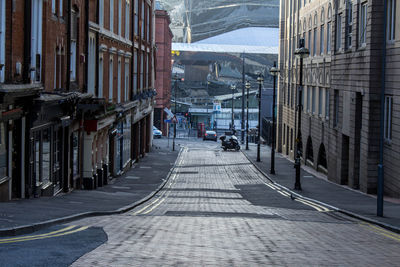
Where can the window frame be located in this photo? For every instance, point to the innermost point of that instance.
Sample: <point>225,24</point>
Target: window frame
<point>362,40</point>
<point>388,116</point>
<point>391,20</point>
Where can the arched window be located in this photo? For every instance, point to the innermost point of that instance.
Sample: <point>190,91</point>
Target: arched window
<point>310,23</point>
<point>315,19</point>
<point>309,150</point>
<point>322,15</point>
<point>329,11</point>
<point>304,25</point>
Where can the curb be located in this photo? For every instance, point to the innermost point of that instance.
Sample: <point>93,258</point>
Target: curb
<point>30,228</point>
<point>346,212</point>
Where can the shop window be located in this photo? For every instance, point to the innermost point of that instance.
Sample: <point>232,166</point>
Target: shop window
<point>46,141</point>
<point>75,154</point>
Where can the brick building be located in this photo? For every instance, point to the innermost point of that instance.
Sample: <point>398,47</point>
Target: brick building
<point>76,93</point>
<point>163,72</point>
<point>340,131</point>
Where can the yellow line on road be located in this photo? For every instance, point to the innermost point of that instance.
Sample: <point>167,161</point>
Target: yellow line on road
<point>381,231</point>
<point>49,236</point>
<point>30,236</point>
<point>155,206</point>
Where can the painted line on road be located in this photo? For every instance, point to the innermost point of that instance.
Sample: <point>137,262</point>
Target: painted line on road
<point>58,233</point>
<point>381,231</point>
<point>157,202</point>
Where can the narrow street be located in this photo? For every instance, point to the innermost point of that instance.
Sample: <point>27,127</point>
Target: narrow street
<point>217,209</point>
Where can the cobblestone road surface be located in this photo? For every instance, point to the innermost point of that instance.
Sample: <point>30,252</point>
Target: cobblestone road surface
<point>217,209</point>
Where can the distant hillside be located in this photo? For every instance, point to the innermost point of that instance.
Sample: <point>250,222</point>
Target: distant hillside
<point>195,20</point>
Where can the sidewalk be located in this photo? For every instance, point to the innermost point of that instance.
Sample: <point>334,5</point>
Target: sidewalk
<point>125,192</point>
<point>349,201</point>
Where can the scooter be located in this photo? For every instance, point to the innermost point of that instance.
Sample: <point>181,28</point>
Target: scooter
<point>229,142</point>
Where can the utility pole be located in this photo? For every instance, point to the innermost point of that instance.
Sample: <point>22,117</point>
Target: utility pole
<point>247,115</point>
<point>243,77</point>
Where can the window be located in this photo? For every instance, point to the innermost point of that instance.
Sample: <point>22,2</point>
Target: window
<point>75,153</point>
<point>391,17</point>
<point>135,71</point>
<point>326,103</point>
<point>141,70</point>
<point>308,99</point>
<point>119,81</point>
<point>336,108</point>
<point>101,69</point>
<point>92,64</point>
<point>363,24</point>
<point>53,6</point>
<point>328,37</point>
<point>315,42</point>
<point>313,99</point>
<point>127,8</point>
<point>136,22</point>
<point>388,118</point>
<point>119,16</point>
<point>148,23</point>
<point>321,41</point>
<point>36,39</point>
<point>101,12</point>
<point>142,19</point>
<point>61,8</point>
<point>320,97</point>
<point>126,81</point>
<point>112,15</point>
<point>2,38</point>
<point>284,133</point>
<point>74,38</point>
<point>349,24</point>
<point>111,80</point>
<point>338,32</point>
<point>288,95</point>
<point>309,40</point>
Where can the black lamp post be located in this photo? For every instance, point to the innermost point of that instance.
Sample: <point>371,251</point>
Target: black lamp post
<point>301,53</point>
<point>233,87</point>
<point>274,72</point>
<point>260,80</point>
<point>247,115</point>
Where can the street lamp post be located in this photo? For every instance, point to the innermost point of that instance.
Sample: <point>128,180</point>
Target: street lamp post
<point>175,89</point>
<point>260,80</point>
<point>247,115</point>
<point>233,87</point>
<point>301,53</point>
<point>274,72</point>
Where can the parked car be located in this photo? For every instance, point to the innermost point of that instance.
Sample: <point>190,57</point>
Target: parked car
<point>210,135</point>
<point>156,133</point>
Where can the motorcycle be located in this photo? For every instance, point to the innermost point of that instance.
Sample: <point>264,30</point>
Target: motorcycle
<point>229,142</point>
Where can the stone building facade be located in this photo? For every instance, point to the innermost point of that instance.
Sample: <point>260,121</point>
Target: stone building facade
<point>164,69</point>
<point>341,100</point>
<point>76,93</point>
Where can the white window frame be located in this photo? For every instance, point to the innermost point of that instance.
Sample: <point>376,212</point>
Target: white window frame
<point>388,117</point>
<point>363,24</point>
<point>391,20</point>
<point>111,15</point>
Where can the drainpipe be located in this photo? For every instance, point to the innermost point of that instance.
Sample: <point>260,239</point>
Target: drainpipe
<point>380,190</point>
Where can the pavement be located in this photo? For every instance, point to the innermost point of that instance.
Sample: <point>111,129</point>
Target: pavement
<point>315,186</point>
<point>136,186</point>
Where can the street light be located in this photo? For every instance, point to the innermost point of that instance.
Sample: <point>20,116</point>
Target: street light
<point>247,115</point>
<point>233,87</point>
<point>260,80</point>
<point>301,53</point>
<point>274,72</point>
<point>175,89</point>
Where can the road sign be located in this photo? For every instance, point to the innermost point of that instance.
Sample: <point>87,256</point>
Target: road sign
<point>169,113</point>
<point>168,121</point>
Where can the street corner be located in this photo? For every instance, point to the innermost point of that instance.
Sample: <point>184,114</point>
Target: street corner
<point>54,246</point>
